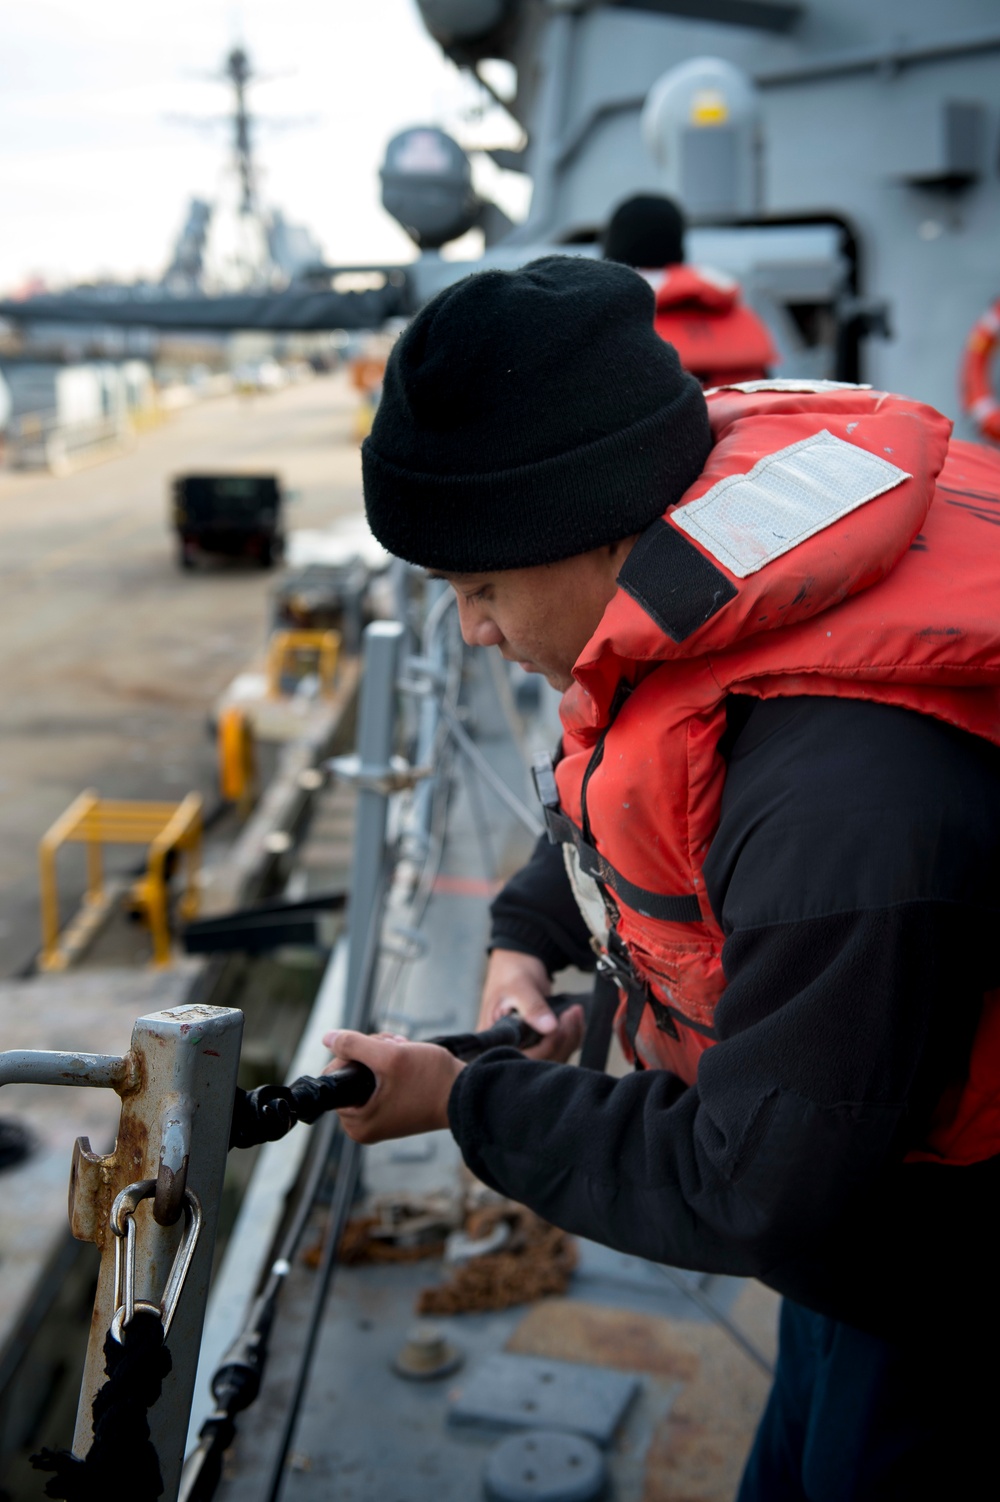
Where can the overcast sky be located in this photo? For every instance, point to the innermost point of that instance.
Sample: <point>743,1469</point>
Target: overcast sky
<point>95,176</point>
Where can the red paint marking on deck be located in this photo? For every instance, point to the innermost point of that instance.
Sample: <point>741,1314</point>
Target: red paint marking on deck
<point>465,886</point>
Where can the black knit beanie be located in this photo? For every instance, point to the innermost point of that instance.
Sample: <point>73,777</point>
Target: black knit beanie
<point>646,231</point>
<point>530,415</point>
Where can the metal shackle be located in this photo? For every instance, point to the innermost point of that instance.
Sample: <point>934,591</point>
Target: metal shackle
<point>123,1225</point>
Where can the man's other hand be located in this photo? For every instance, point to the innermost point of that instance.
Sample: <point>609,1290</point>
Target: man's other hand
<point>520,983</point>
<point>413,1082</point>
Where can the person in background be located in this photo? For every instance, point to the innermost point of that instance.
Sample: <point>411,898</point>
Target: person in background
<point>698,311</point>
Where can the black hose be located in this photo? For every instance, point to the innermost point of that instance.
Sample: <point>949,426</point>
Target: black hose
<point>269,1112</point>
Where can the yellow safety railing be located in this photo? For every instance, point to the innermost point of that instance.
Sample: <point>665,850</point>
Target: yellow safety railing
<point>288,648</point>
<point>237,762</point>
<point>95,822</point>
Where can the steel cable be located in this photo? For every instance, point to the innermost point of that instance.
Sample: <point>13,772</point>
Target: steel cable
<point>531,822</point>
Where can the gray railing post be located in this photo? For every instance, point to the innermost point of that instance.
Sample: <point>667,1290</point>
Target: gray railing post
<point>376,724</point>
<point>177,1085</point>
<point>174,1128</point>
<point>432,662</point>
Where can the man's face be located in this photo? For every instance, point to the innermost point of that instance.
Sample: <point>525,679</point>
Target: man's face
<point>541,618</point>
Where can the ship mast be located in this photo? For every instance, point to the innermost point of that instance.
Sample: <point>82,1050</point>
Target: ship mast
<point>238,71</point>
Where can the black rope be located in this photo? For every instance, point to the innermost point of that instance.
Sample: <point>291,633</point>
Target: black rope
<point>122,1456</point>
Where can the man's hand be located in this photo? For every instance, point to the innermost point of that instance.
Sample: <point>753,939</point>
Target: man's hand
<point>520,983</point>
<point>413,1082</point>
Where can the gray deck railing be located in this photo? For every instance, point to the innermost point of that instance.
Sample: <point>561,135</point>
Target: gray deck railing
<point>159,1191</point>
<point>39,440</point>
<point>151,1206</point>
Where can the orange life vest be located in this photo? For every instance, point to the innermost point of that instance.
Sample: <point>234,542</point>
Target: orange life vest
<point>717,338</point>
<point>754,584</point>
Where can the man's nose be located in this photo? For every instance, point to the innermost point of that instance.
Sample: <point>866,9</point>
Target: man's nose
<point>477,629</point>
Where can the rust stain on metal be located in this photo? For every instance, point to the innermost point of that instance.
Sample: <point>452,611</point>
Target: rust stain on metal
<point>691,1462</point>
<point>131,1148</point>
<point>624,1338</point>
<point>133,1076</point>
<point>698,1450</point>
<point>97,1178</point>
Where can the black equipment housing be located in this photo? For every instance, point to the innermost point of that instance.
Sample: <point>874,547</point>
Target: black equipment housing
<point>237,516</point>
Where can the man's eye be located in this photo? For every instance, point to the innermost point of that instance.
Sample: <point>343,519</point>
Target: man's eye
<point>475,597</point>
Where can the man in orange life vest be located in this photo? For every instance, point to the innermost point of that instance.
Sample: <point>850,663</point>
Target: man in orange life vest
<point>775,812</point>
<point>698,311</point>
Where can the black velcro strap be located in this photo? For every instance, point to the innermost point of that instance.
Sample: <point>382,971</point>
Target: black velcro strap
<point>600,1013</point>
<point>635,1005</point>
<point>667,1020</point>
<point>685,909</point>
<point>678,587</point>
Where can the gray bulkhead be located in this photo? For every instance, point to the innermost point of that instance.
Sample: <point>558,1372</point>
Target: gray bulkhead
<point>885,115</point>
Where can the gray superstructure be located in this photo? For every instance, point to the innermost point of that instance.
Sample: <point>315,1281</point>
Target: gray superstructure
<point>881,117</point>
<point>847,171</point>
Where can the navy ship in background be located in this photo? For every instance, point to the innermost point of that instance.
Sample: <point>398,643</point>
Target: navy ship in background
<point>839,157</point>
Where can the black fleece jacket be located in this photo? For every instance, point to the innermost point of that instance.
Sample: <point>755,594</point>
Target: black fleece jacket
<point>856,876</point>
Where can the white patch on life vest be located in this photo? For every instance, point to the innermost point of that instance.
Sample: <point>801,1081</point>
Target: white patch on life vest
<point>788,383</point>
<point>748,520</point>
<point>588,896</point>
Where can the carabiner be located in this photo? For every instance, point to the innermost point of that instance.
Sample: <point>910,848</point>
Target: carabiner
<point>123,1225</point>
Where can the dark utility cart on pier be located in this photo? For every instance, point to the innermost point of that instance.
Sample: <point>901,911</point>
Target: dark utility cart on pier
<point>238,516</point>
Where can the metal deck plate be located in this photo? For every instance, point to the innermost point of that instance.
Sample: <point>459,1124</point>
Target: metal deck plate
<point>524,1392</point>
<point>546,1466</point>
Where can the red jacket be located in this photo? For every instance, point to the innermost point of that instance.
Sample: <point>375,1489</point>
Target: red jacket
<point>753,585</point>
<point>701,314</point>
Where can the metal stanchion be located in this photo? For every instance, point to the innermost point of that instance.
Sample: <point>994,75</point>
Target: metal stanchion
<point>373,775</point>
<point>372,772</point>
<point>151,1205</point>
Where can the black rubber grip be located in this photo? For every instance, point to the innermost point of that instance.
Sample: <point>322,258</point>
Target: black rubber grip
<point>354,1084</point>
<point>510,1031</point>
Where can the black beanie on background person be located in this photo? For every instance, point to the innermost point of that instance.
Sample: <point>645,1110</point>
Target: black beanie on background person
<point>527,416</point>
<point>646,231</point>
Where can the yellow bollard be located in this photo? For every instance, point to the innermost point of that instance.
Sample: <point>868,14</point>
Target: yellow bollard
<point>237,762</point>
